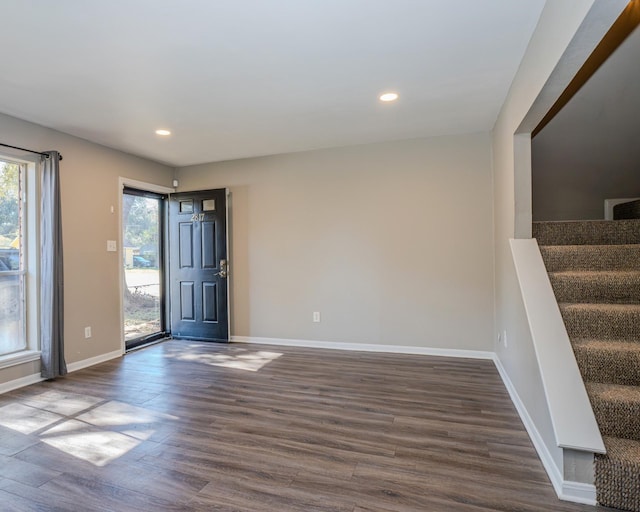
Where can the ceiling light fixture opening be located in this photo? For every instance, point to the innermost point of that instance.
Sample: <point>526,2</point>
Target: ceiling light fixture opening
<point>163,132</point>
<point>389,96</point>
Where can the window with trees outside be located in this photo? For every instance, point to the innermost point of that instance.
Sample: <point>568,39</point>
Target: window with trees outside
<point>12,258</point>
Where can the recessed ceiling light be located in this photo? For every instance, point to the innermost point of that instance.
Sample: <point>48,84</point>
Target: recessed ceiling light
<point>389,96</point>
<point>163,132</point>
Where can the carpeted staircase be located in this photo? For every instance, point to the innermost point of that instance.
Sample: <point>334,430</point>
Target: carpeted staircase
<point>594,268</point>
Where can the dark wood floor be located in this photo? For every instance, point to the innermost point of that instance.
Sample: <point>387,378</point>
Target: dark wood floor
<point>194,426</point>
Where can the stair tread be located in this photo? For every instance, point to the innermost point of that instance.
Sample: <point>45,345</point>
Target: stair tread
<point>616,408</point>
<point>620,274</point>
<point>592,247</point>
<point>612,321</point>
<point>596,286</point>
<point>608,361</point>
<point>587,257</point>
<point>613,393</point>
<point>624,450</point>
<point>604,344</point>
<point>577,222</point>
<point>600,306</point>
<point>587,232</point>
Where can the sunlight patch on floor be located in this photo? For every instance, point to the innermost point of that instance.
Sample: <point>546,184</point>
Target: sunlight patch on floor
<point>97,434</point>
<point>141,435</point>
<point>63,403</point>
<point>114,414</point>
<point>26,419</point>
<point>99,447</point>
<point>240,359</point>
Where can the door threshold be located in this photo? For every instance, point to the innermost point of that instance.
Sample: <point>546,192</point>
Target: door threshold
<point>145,345</point>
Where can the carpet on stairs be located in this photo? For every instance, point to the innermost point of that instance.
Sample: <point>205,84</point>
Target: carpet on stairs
<point>594,269</point>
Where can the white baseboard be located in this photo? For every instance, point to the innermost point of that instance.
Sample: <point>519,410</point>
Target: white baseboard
<point>85,363</point>
<point>394,349</point>
<point>578,492</point>
<point>5,387</point>
<point>566,490</point>
<point>550,466</point>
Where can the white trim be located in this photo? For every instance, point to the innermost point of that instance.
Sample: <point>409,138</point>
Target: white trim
<point>92,361</point>
<point>143,185</point>
<point>227,198</point>
<point>72,367</point>
<point>364,347</point>
<point>566,490</point>
<point>25,356</point>
<point>550,466</point>
<point>120,253</point>
<point>32,248</point>
<point>34,378</point>
<point>578,493</point>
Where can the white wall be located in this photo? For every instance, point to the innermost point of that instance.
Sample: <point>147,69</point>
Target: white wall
<point>391,242</point>
<point>89,186</point>
<point>540,79</point>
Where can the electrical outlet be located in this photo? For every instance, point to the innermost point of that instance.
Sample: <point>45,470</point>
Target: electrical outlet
<point>87,332</point>
<point>316,316</point>
<point>112,246</point>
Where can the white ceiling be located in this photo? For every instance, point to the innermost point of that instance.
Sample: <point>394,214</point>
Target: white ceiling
<point>242,78</point>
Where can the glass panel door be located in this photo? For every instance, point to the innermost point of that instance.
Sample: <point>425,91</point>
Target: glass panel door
<point>142,252</point>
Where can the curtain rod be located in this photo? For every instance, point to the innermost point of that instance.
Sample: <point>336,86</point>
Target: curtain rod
<point>46,155</point>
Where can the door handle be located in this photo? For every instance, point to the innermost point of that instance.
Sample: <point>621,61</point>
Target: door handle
<point>223,269</point>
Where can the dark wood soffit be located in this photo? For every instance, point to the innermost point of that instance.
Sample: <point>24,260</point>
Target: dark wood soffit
<point>619,31</point>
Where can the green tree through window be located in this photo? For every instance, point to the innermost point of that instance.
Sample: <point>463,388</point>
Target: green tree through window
<point>9,205</point>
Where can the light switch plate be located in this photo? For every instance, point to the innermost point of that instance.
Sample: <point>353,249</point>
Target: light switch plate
<point>111,246</point>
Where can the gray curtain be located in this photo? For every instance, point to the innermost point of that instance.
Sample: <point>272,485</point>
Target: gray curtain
<point>51,282</point>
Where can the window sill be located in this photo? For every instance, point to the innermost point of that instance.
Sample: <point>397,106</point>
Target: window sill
<point>25,356</point>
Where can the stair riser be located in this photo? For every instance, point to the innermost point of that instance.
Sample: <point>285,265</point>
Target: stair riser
<point>590,257</point>
<point>587,232</point>
<point>595,289</point>
<point>608,366</point>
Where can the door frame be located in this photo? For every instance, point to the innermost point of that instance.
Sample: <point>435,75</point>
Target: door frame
<point>151,187</point>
